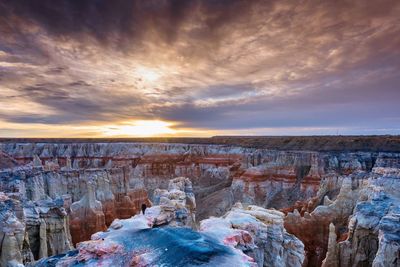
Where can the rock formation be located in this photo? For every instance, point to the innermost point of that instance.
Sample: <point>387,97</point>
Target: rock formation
<point>258,176</point>
<point>14,246</point>
<point>31,232</point>
<point>348,228</point>
<point>313,189</point>
<point>313,228</point>
<point>47,224</point>
<point>132,242</point>
<point>175,206</point>
<point>6,161</point>
<point>87,216</point>
<point>259,233</point>
<point>250,236</point>
<point>373,237</point>
<point>389,241</point>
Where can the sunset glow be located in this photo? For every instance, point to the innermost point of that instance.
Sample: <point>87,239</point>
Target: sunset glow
<point>209,67</point>
<point>150,75</point>
<point>139,128</point>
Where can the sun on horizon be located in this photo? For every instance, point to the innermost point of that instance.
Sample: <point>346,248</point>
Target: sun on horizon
<point>140,128</point>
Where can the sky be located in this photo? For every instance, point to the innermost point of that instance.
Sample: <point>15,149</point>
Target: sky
<point>198,68</point>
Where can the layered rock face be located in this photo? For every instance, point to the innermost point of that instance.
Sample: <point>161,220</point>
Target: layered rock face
<point>258,176</point>
<point>351,226</point>
<point>14,245</point>
<point>87,216</point>
<point>56,200</point>
<point>110,187</point>
<point>313,228</point>
<point>48,220</point>
<point>373,230</point>
<point>95,183</point>
<point>33,230</point>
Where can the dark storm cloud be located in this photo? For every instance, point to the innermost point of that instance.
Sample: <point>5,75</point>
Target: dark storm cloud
<point>204,64</point>
<point>121,21</point>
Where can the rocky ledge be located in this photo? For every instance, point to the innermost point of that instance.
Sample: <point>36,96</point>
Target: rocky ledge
<point>250,236</point>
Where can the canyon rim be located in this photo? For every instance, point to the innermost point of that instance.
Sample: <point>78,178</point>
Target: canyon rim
<point>244,206</point>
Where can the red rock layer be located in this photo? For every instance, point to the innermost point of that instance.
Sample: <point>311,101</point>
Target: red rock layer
<point>276,186</point>
<point>166,165</point>
<point>286,175</point>
<point>313,228</point>
<point>314,235</point>
<point>86,223</point>
<point>302,206</point>
<point>6,161</point>
<point>110,212</point>
<point>87,216</point>
<point>129,205</point>
<point>88,220</point>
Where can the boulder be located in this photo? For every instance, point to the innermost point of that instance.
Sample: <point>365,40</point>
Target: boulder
<point>259,233</point>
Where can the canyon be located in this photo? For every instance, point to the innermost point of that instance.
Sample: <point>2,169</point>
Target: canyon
<point>296,206</point>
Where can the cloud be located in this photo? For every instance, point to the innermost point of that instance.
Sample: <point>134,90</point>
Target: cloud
<point>219,65</point>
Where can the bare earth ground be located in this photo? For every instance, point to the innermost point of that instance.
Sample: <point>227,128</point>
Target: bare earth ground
<point>375,143</point>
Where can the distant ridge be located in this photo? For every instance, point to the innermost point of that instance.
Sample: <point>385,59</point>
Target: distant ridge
<point>334,143</point>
